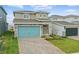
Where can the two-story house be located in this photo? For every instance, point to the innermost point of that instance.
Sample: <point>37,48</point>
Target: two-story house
<point>3,22</point>
<point>31,24</point>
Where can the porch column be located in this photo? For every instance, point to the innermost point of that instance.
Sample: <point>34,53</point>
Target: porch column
<point>50,28</point>
<point>15,31</point>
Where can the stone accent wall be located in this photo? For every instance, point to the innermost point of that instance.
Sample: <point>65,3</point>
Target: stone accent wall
<point>45,29</point>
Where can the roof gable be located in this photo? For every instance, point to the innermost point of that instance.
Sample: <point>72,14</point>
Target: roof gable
<point>3,10</point>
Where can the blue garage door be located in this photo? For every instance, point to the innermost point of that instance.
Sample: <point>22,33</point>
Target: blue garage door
<point>29,31</point>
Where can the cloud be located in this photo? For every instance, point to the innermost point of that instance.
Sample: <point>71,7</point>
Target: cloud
<point>17,6</point>
<point>42,7</point>
<point>10,19</point>
<point>72,5</point>
<point>71,11</point>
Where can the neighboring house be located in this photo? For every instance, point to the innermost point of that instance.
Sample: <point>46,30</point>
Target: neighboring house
<point>63,28</point>
<point>65,25</point>
<point>31,24</point>
<point>56,18</point>
<point>68,18</point>
<point>3,23</point>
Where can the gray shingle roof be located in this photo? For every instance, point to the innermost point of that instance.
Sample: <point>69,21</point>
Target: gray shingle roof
<point>76,22</point>
<point>72,16</point>
<point>20,11</point>
<point>67,16</point>
<point>63,23</point>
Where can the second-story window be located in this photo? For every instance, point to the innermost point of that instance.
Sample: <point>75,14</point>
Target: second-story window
<point>25,16</point>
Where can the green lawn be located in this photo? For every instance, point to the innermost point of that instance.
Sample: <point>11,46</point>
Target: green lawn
<point>11,44</point>
<point>65,44</point>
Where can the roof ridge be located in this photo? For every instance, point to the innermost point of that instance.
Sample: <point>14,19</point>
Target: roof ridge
<point>3,10</point>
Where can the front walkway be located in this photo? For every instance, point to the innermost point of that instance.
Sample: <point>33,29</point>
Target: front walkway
<point>74,37</point>
<point>37,46</point>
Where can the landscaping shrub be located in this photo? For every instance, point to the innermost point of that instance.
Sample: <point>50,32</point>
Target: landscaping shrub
<point>2,43</point>
<point>64,37</point>
<point>56,37</point>
<point>43,36</point>
<point>14,37</point>
<point>51,35</point>
<point>49,38</point>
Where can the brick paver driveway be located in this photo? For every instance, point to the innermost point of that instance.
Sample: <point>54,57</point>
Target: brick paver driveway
<point>37,46</point>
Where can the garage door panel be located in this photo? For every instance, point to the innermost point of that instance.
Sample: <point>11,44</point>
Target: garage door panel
<point>71,31</point>
<point>29,31</point>
<point>33,31</point>
<point>22,32</point>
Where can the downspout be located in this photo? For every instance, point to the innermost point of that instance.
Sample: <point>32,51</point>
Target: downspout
<point>65,31</point>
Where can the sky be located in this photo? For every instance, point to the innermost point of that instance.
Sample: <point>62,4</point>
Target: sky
<point>52,9</point>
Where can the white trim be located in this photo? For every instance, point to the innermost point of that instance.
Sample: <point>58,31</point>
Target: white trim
<point>26,23</point>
